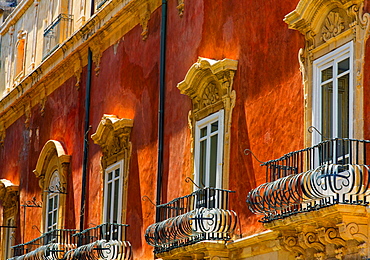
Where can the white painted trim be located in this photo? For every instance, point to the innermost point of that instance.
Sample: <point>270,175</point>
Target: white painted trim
<point>331,59</point>
<point>112,168</point>
<point>218,116</point>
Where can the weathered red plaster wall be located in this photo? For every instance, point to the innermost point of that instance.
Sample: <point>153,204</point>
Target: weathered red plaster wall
<point>127,86</point>
<point>268,116</point>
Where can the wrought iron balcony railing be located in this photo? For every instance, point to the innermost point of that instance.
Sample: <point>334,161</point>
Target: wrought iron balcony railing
<point>333,172</point>
<point>58,31</point>
<point>51,245</point>
<point>105,241</point>
<point>202,215</point>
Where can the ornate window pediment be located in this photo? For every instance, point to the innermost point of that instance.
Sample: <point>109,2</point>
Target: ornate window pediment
<point>8,193</point>
<point>113,135</point>
<point>321,20</point>
<point>208,84</point>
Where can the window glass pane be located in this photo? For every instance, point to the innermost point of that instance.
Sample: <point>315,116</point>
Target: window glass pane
<point>213,161</point>
<point>116,200</point>
<point>50,204</point>
<point>343,106</point>
<point>202,162</point>
<point>109,201</point>
<point>327,113</point>
<point>56,202</point>
<point>343,66</point>
<point>50,220</point>
<point>116,173</point>
<point>326,74</point>
<point>203,132</point>
<point>214,127</point>
<point>109,176</point>
<point>54,217</point>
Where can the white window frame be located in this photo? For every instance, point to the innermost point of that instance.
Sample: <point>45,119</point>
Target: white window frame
<point>112,168</point>
<point>9,239</point>
<point>51,196</point>
<point>328,60</point>
<point>218,116</point>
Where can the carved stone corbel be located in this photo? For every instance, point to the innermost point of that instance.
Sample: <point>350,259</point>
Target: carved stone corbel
<point>144,19</point>
<point>43,98</point>
<point>2,132</point>
<point>310,240</point>
<point>180,7</point>
<point>291,244</point>
<point>330,236</point>
<point>78,71</point>
<point>27,113</point>
<point>96,50</point>
<point>353,231</point>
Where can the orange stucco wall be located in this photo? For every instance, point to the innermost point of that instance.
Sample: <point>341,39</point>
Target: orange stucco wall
<point>267,118</point>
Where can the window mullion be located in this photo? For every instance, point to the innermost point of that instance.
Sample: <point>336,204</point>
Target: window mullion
<point>208,155</point>
<point>335,99</point>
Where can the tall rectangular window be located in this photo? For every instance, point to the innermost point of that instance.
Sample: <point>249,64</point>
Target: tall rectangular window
<point>209,134</point>
<point>52,207</point>
<point>113,184</point>
<point>333,94</point>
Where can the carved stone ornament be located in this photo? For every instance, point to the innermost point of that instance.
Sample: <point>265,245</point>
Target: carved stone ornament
<point>113,135</point>
<point>327,242</point>
<point>333,26</point>
<point>210,95</point>
<point>8,193</point>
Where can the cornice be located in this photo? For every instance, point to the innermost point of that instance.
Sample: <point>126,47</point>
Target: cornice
<point>103,29</point>
<point>15,15</point>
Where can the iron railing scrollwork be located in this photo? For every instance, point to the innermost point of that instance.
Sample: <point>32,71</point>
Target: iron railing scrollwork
<point>51,245</point>
<point>105,241</point>
<point>201,215</point>
<point>333,172</point>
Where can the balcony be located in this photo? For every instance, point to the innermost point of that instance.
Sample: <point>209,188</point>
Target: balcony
<point>58,31</point>
<point>51,245</point>
<point>330,173</point>
<point>199,216</point>
<point>105,241</point>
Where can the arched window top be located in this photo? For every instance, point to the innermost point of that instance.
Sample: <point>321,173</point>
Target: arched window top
<point>52,157</point>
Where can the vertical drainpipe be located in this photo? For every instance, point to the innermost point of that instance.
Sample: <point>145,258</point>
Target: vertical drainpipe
<point>162,65</point>
<point>86,144</point>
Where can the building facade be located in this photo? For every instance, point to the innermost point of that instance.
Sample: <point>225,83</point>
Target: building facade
<point>184,129</point>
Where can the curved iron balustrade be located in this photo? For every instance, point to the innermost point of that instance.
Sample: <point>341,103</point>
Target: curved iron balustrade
<point>105,241</point>
<point>101,249</point>
<point>51,245</point>
<point>202,215</point>
<point>336,171</point>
